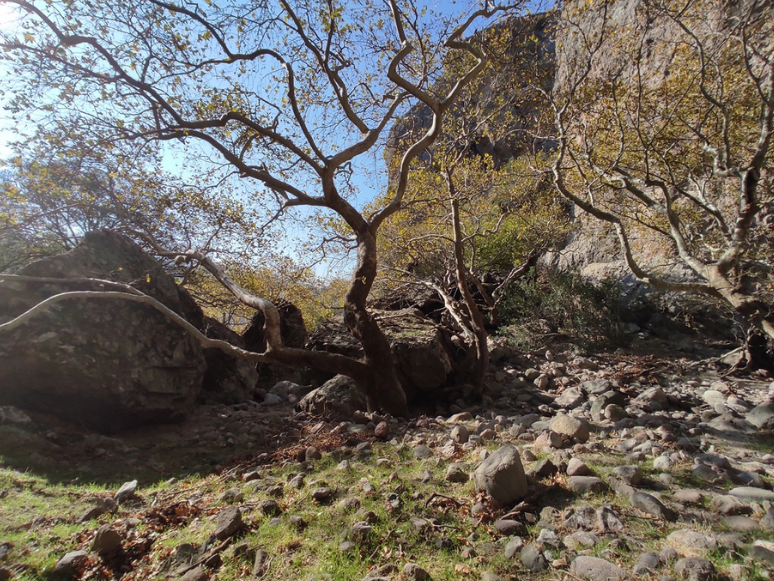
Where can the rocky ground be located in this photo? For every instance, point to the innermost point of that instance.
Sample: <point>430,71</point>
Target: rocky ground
<point>634,467</point>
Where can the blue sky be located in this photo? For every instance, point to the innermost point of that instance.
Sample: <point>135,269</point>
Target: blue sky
<point>370,176</point>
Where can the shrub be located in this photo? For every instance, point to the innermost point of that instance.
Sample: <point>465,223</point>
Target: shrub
<point>550,304</point>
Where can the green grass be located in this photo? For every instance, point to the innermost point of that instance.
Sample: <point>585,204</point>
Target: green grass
<point>38,516</point>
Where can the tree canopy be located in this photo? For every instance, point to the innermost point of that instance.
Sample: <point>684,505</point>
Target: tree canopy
<point>285,96</point>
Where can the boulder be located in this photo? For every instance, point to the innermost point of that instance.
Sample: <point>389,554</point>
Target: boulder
<point>227,380</point>
<point>502,476</point>
<point>292,328</point>
<point>426,358</point>
<point>336,399</point>
<point>294,334</point>
<point>106,363</point>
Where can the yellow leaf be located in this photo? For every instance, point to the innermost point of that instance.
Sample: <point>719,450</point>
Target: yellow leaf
<point>147,278</point>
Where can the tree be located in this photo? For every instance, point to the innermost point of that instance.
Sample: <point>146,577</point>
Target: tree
<point>467,207</point>
<point>286,95</point>
<point>664,127</point>
<point>59,186</point>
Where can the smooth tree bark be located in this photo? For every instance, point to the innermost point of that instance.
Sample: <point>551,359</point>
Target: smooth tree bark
<point>275,97</point>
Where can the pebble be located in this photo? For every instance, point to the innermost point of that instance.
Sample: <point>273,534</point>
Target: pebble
<point>763,551</point>
<point>422,452</point>
<point>514,546</point>
<point>752,493</point>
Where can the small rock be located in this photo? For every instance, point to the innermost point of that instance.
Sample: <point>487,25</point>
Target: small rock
<point>695,569</point>
<point>651,505</point>
<point>689,496</point>
<point>664,463</point>
<point>596,569</point>
<point>349,503</point>
<point>127,490</point>
<point>196,574</point>
<point>360,531</point>
<point>106,541</point>
<point>229,523</point>
<point>576,428</point>
<point>728,505</point>
<point>460,417</point>
<point>629,474</point>
<point>762,416</point>
<point>271,399</point>
<point>576,467</point>
<point>533,559</point>
<point>457,473</point>
<point>608,521</point>
<point>742,524</point>
<point>689,543</point>
<point>322,494</point>
<point>614,412</point>
<point>548,440</point>
<point>71,562</point>
<point>297,522</point>
<point>502,476</point>
<point>570,398</point>
<point>422,452</point>
<point>382,430</point>
<point>545,468</point>
<point>260,563</point>
<point>752,493</point>
<point>232,495</point>
<point>415,572</point>
<point>460,434</point>
<point>515,545</point>
<point>508,527</point>
<point>586,484</point>
<point>646,564</point>
<point>311,454</point>
<point>269,507</point>
<point>762,551</point>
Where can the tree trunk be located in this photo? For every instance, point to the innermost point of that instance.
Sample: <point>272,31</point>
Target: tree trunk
<point>755,311</point>
<point>382,386</point>
<point>480,334</point>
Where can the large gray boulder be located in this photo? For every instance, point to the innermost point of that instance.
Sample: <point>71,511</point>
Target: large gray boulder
<point>336,399</point>
<point>294,334</point>
<point>227,380</point>
<point>106,363</point>
<point>502,476</point>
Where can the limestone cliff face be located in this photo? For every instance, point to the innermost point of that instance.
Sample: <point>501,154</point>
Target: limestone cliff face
<point>521,59</point>
<point>619,38</point>
<point>625,40</point>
